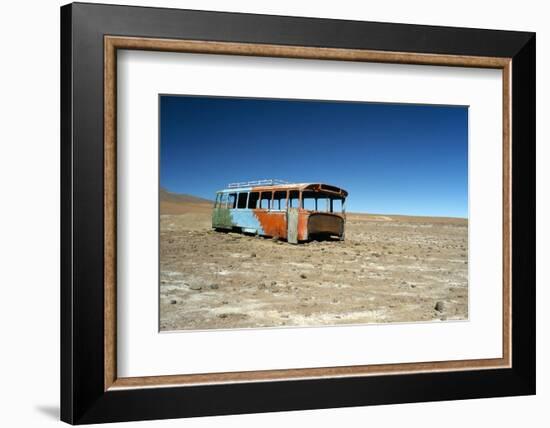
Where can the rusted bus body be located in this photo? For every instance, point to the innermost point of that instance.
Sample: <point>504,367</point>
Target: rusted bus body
<point>295,212</point>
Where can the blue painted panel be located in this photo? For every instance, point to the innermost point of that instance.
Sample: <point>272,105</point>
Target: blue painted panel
<point>246,219</point>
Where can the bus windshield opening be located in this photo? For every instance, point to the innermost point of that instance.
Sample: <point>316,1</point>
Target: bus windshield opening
<point>322,202</point>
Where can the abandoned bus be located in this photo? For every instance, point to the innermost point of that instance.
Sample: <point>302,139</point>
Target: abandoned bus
<point>295,212</point>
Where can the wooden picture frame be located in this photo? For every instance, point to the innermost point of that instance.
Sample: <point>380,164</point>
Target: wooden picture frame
<point>91,390</point>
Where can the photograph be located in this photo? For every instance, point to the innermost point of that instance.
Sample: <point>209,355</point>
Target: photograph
<point>304,213</point>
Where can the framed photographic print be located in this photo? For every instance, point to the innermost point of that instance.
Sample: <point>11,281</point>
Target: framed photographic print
<point>265,213</point>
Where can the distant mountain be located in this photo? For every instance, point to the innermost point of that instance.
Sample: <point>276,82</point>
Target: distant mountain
<point>165,195</point>
<point>181,203</point>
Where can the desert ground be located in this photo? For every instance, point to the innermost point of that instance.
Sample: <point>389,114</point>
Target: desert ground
<point>389,269</point>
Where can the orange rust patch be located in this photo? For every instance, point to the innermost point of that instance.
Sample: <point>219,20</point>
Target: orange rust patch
<point>273,223</point>
<point>302,225</point>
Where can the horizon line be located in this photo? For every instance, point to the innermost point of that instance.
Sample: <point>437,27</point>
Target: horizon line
<point>347,212</point>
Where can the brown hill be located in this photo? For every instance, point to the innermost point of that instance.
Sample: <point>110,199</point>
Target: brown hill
<point>179,203</point>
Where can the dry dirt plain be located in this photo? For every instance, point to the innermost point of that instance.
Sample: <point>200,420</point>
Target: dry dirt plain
<point>389,269</point>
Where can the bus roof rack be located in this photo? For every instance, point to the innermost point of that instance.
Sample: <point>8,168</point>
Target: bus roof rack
<point>268,182</point>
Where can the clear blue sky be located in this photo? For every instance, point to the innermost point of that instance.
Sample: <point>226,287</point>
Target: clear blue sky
<point>391,158</point>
